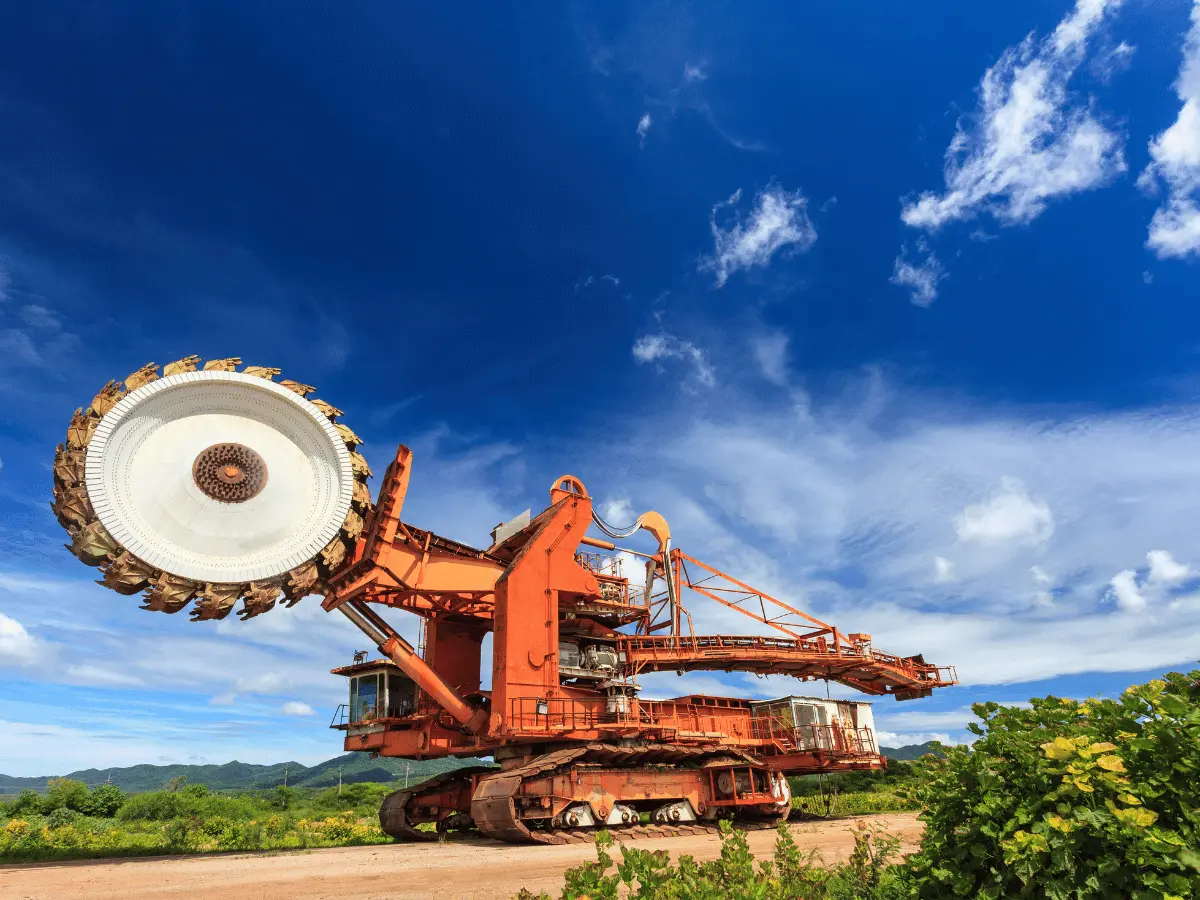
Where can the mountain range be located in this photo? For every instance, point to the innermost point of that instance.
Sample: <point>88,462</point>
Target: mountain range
<point>353,767</point>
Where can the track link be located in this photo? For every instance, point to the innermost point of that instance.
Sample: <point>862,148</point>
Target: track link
<point>495,814</point>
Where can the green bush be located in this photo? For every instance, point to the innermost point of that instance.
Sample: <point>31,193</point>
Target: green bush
<point>103,801</point>
<point>27,803</point>
<point>791,875</point>
<point>64,793</point>
<point>159,806</point>
<point>1099,799</point>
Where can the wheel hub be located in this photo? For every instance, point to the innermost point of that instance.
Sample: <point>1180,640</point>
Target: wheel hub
<point>230,473</point>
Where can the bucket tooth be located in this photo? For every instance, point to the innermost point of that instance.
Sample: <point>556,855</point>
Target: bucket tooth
<point>301,580</point>
<point>353,525</point>
<point>266,372</point>
<point>93,544</point>
<point>144,375</point>
<point>127,574</point>
<point>169,593</point>
<point>359,465</point>
<point>352,440</point>
<point>296,387</point>
<point>330,412</point>
<point>110,395</point>
<point>81,429</point>
<point>69,466</point>
<point>187,364</point>
<point>362,495</point>
<point>215,601</point>
<point>72,507</point>
<point>334,553</point>
<point>223,365</point>
<point>260,598</point>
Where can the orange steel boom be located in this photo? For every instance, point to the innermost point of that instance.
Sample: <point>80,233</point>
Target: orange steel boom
<point>570,636</point>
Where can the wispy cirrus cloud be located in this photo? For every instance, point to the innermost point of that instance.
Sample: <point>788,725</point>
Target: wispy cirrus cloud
<point>643,128</point>
<point>922,277</point>
<point>1175,162</point>
<point>1030,140</point>
<point>777,223</point>
<point>660,347</point>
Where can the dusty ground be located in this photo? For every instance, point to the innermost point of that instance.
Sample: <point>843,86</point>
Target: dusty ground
<point>471,869</point>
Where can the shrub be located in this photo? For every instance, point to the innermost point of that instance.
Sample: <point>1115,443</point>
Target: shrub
<point>103,801</point>
<point>1099,799</point>
<point>649,875</point>
<point>64,793</point>
<point>28,802</point>
<point>152,806</point>
<point>63,816</point>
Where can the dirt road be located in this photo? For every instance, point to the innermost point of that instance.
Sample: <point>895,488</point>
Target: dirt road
<point>471,869</point>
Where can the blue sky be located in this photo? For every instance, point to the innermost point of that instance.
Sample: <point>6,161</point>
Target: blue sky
<point>891,309</point>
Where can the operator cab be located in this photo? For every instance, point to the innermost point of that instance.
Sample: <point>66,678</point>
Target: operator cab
<point>378,690</point>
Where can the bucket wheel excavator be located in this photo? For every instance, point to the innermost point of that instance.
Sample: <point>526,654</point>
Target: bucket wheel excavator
<point>211,485</point>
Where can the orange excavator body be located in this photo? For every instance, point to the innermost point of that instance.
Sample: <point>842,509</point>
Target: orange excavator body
<point>570,636</point>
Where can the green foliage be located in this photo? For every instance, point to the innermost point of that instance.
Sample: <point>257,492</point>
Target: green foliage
<point>157,806</point>
<point>103,801</point>
<point>190,819</point>
<point>28,802</point>
<point>897,773</point>
<point>64,793</point>
<point>790,875</point>
<point>1099,799</point>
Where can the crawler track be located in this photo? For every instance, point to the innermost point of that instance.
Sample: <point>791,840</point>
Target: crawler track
<point>393,811</point>
<point>495,813</point>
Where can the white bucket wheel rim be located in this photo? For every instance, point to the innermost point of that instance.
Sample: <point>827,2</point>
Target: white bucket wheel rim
<point>295,509</point>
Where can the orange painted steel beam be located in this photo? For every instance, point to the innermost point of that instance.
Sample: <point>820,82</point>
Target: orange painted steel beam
<point>866,670</point>
<point>749,594</point>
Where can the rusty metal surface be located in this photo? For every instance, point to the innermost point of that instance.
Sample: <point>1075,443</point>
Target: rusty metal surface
<point>494,810</point>
<point>394,812</point>
<point>230,473</point>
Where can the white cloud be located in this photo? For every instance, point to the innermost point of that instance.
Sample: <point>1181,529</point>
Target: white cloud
<point>1041,576</point>
<point>778,222</point>
<point>296,708</point>
<point>771,354</point>
<point>99,676</point>
<point>1164,574</point>
<point>643,128</point>
<point>1164,570</point>
<point>17,646</point>
<point>1113,61</point>
<point>618,513</point>
<point>1125,591</point>
<point>694,72</point>
<point>1030,140</point>
<point>658,347</point>
<point>40,317</point>
<point>895,741</point>
<point>1010,514</point>
<point>943,570</point>
<point>921,278</point>
<point>1175,161</point>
